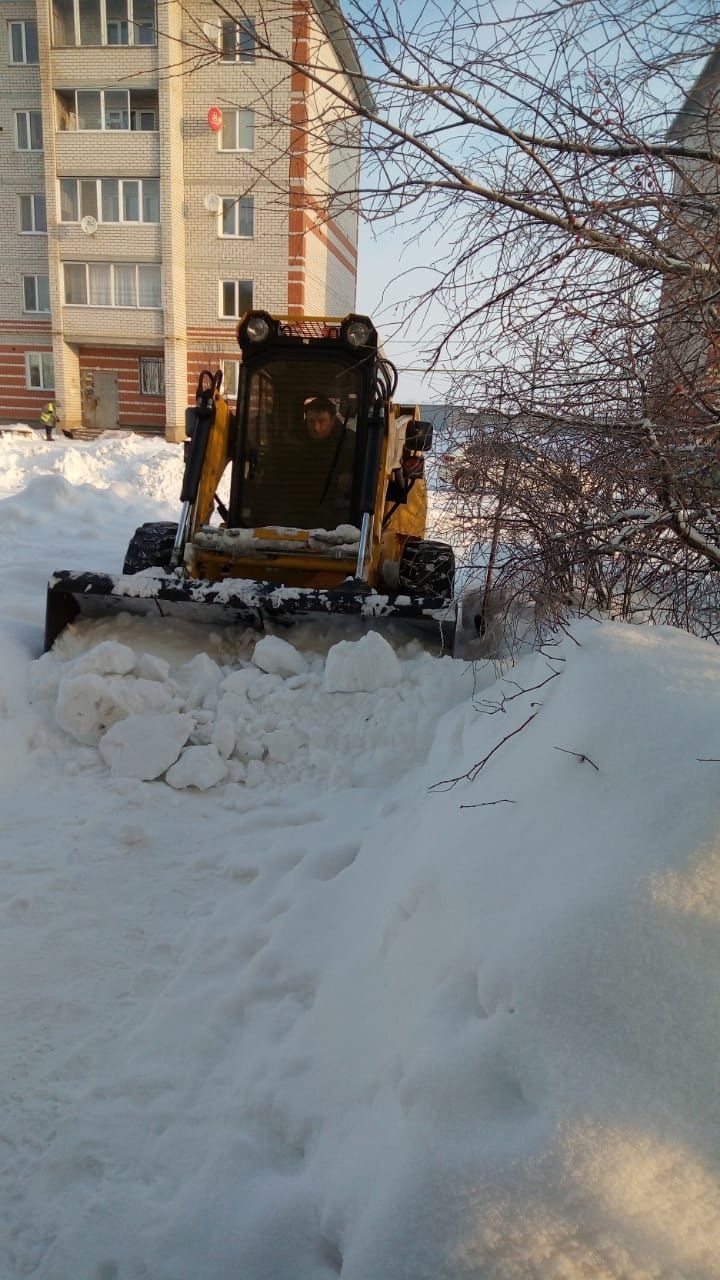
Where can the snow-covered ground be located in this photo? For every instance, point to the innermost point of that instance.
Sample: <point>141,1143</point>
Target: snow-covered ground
<point>293,988</point>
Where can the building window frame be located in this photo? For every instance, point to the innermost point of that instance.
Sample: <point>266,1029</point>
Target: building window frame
<point>237,294</point>
<point>28,43</point>
<point>40,366</point>
<point>233,211</point>
<point>236,40</point>
<point>36,295</point>
<point>32,209</point>
<point>151,375</point>
<point>242,126</point>
<point>131,23</point>
<point>231,377</point>
<point>90,197</point>
<point>112,283</point>
<point>29,116</point>
<point>133,119</point>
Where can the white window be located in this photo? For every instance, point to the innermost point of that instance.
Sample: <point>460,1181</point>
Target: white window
<point>236,297</point>
<point>28,131</point>
<point>110,199</point>
<point>152,376</point>
<point>238,130</point>
<point>23,43</point>
<point>237,40</point>
<point>236,217</point>
<point>36,293</point>
<point>112,284</point>
<point>96,110</point>
<point>39,371</point>
<point>231,378</point>
<point>33,218</point>
<point>97,22</point>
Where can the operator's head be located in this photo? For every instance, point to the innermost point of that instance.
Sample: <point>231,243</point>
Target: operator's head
<point>320,414</point>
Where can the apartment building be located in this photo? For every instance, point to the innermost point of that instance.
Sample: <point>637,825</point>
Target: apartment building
<point>161,176</point>
<point>686,365</point>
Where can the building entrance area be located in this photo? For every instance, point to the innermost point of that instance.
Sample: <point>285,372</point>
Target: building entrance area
<point>99,400</point>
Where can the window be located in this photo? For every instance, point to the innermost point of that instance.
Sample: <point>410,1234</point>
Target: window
<point>236,297</point>
<point>93,110</point>
<point>238,130</point>
<point>237,40</point>
<point>231,376</point>
<point>112,284</point>
<point>39,371</point>
<point>28,130</point>
<point>152,376</point>
<point>97,22</point>
<point>76,293</point>
<point>110,199</point>
<point>33,219</point>
<point>23,42</point>
<point>236,216</point>
<point>36,293</point>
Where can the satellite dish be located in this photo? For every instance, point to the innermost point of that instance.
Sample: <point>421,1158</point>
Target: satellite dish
<point>212,202</point>
<point>88,224</point>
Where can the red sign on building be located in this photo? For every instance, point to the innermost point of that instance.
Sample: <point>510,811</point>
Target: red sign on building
<point>214,118</point>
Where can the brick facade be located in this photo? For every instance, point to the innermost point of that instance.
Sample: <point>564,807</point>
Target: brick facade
<point>301,255</point>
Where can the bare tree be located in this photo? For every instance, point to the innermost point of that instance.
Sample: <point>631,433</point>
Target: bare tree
<point>563,164</point>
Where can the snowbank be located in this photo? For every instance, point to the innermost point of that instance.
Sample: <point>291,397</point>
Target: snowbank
<point>410,982</point>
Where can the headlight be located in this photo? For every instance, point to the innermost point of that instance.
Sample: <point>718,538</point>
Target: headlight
<point>257,329</point>
<point>358,333</point>
<point>254,328</point>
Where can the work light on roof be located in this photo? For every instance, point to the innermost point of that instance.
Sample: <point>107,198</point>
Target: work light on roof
<point>257,328</point>
<point>358,332</point>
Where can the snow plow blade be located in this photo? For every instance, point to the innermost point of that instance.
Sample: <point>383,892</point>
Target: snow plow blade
<point>241,601</point>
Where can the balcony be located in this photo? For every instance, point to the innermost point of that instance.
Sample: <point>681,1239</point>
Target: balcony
<point>89,324</point>
<point>115,155</point>
<point>106,65</point>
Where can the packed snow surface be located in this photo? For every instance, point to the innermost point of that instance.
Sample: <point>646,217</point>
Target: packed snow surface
<point>323,956</point>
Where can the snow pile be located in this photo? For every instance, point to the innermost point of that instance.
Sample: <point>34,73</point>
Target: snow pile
<point>247,720</point>
<point>419,981</point>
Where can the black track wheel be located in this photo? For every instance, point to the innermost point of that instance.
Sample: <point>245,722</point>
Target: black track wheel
<point>427,569</point>
<point>150,547</point>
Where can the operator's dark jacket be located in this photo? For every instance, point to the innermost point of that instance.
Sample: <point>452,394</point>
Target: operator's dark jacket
<point>305,483</point>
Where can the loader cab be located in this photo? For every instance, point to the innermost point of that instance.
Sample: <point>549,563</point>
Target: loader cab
<point>305,392</point>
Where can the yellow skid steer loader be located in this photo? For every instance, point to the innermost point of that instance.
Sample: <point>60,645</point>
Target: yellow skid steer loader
<point>327,501</point>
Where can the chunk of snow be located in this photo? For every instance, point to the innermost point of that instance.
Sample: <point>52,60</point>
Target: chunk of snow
<point>200,676</point>
<point>240,682</point>
<point>89,704</point>
<point>361,666</point>
<point>144,746</point>
<point>109,658</point>
<point>223,736</point>
<point>277,657</point>
<point>200,767</point>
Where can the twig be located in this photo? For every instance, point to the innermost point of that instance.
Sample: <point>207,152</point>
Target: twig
<point>472,773</point>
<point>579,755</point>
<point>491,708</point>
<point>565,630</point>
<point>708,760</point>
<point>484,804</point>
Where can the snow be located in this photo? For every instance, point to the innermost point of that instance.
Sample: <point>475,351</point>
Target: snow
<point>417,979</point>
<point>361,666</point>
<point>276,657</point>
<point>145,746</point>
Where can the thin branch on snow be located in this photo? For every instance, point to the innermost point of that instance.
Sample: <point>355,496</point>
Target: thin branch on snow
<point>579,755</point>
